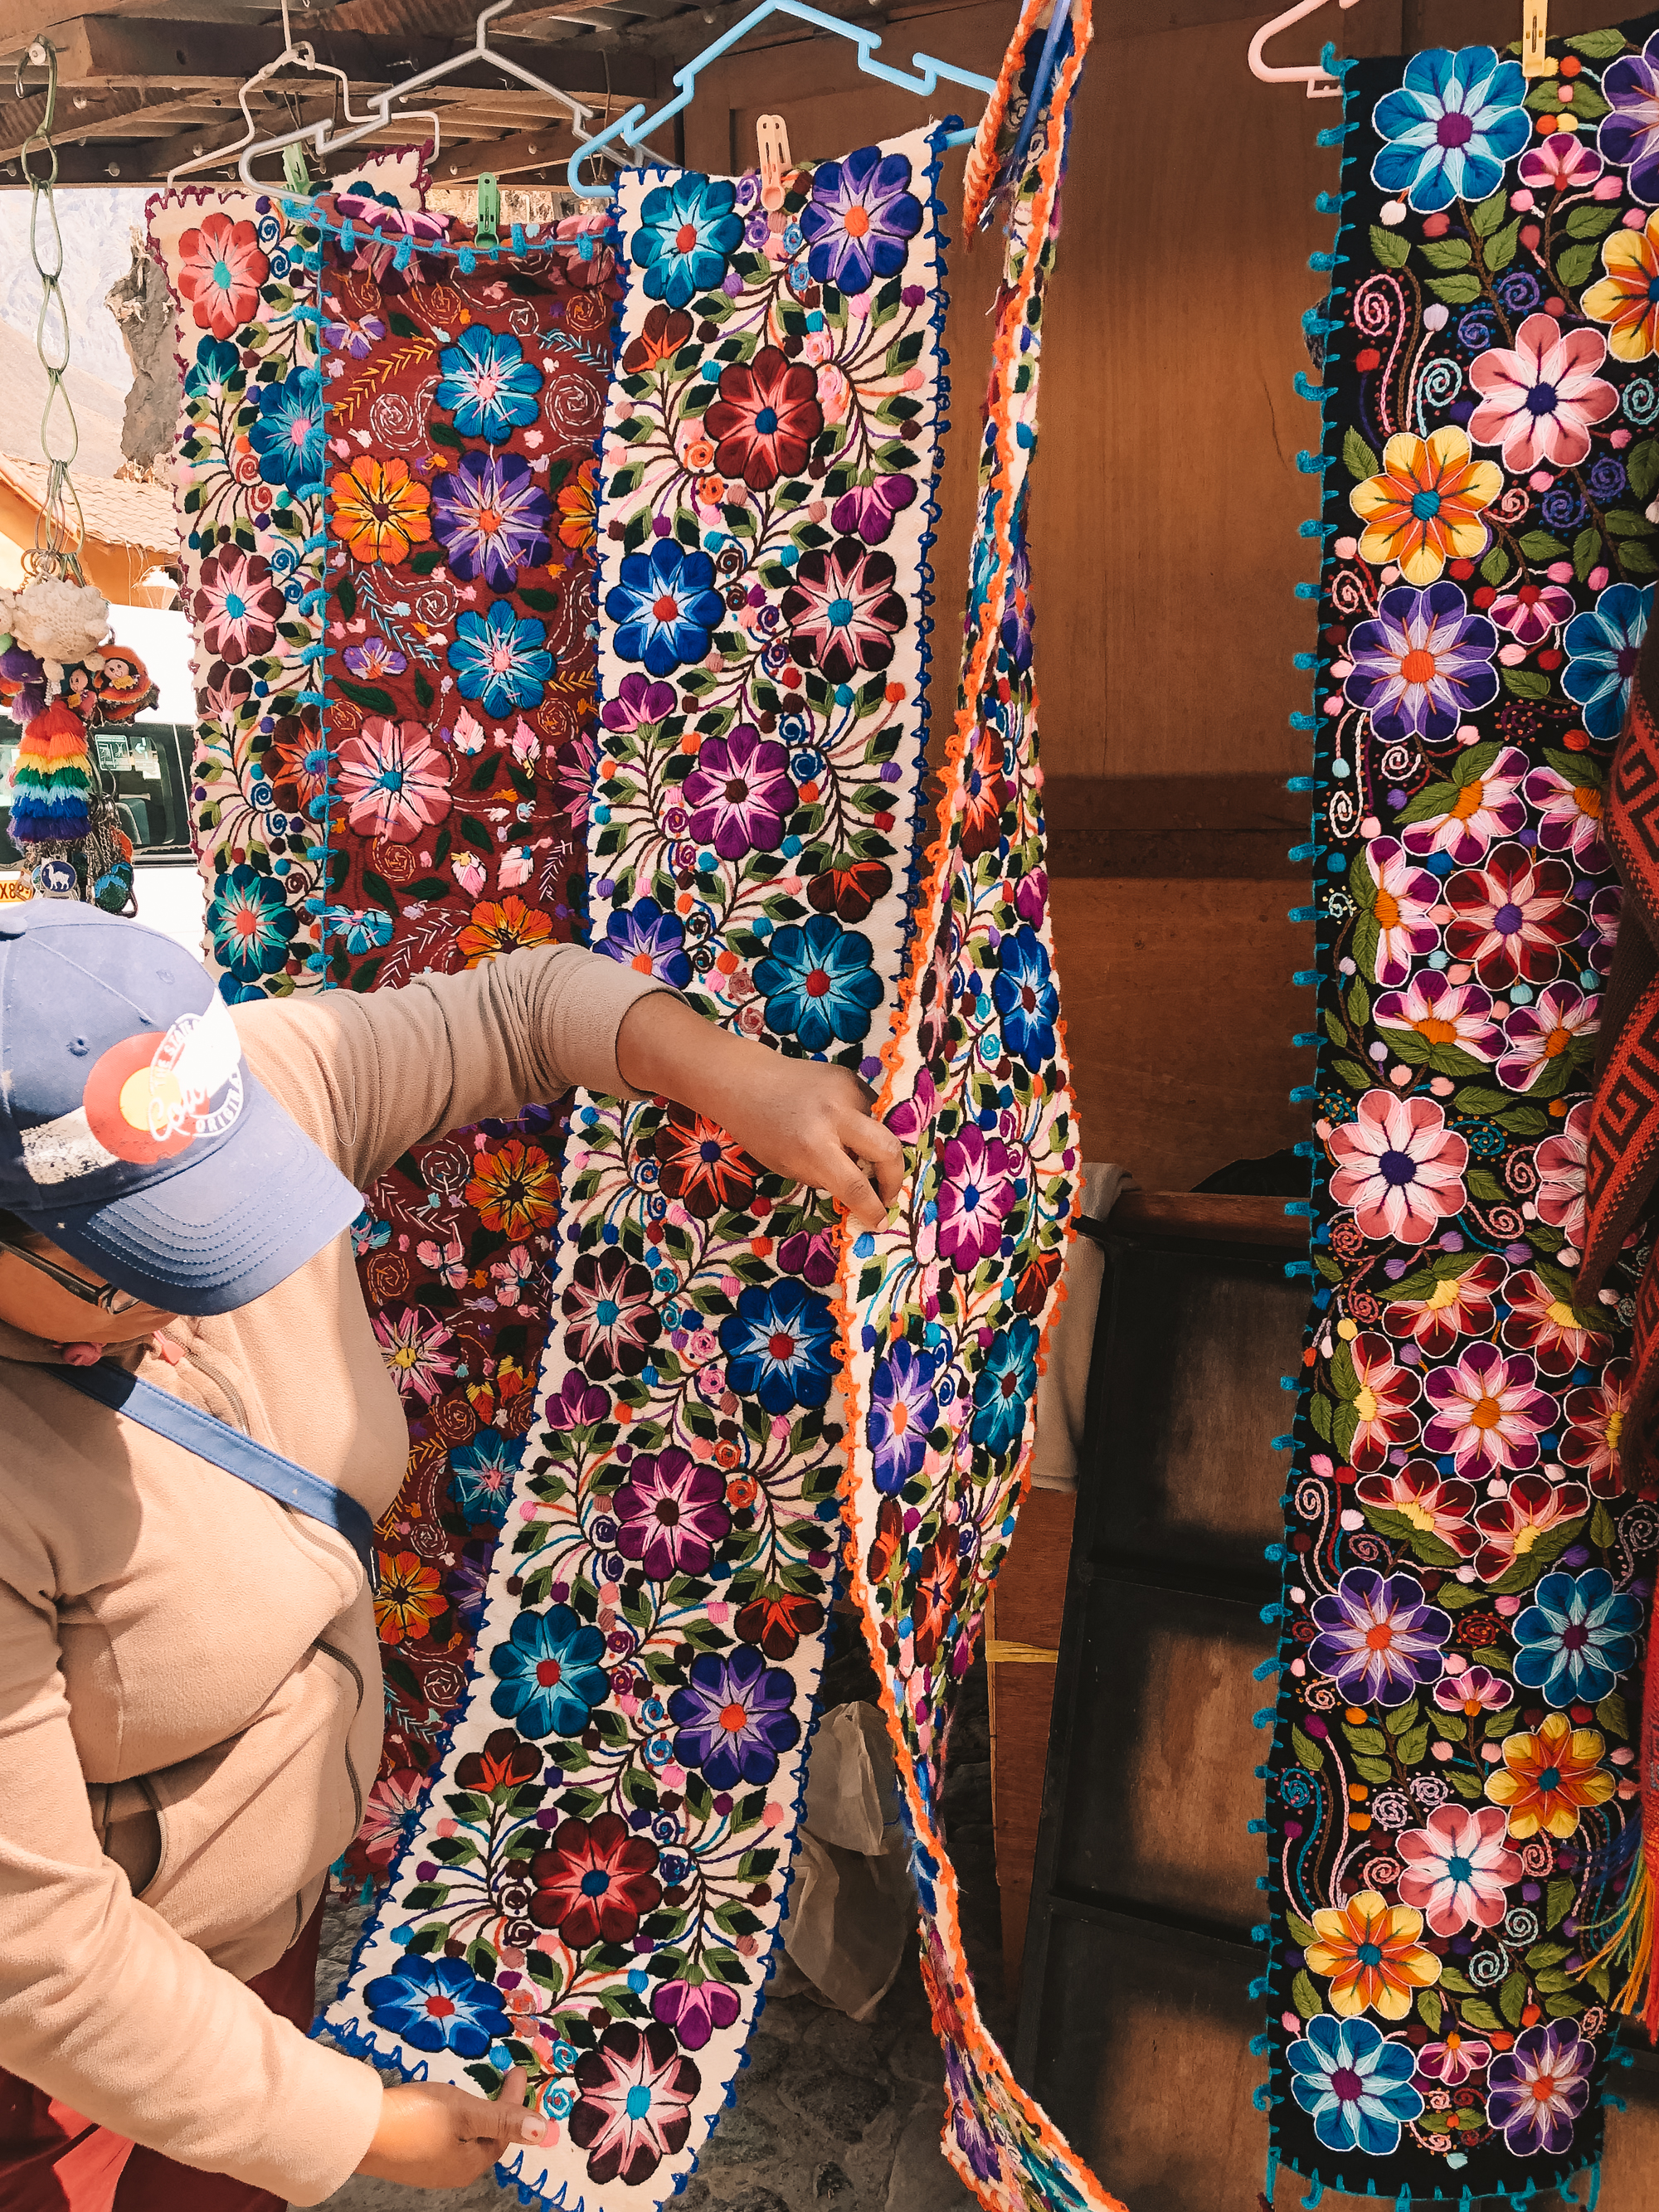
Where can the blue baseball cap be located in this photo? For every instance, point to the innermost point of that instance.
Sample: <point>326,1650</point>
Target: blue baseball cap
<point>132,1132</point>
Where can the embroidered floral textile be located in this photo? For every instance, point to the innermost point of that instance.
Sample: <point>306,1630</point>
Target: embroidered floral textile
<point>608,1836</point>
<point>1453,1789</point>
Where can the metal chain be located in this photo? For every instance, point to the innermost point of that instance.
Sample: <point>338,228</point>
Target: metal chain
<point>60,527</point>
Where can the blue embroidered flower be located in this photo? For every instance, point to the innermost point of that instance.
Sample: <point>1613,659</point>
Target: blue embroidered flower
<point>439,2004</point>
<point>357,930</point>
<point>1603,646</point>
<point>859,223</point>
<point>1025,995</point>
<point>217,369</point>
<point>251,923</point>
<point>1454,122</point>
<point>1577,1637</point>
<point>488,386</point>
<point>550,1671</point>
<point>665,606</point>
<point>819,982</point>
<point>652,943</point>
<point>686,231</point>
<point>903,1409</point>
<point>288,434</point>
<point>1003,1389</point>
<point>778,1346</point>
<point>500,658</point>
<point>481,1477</point>
<point>1356,2084</point>
<point>734,1718</point>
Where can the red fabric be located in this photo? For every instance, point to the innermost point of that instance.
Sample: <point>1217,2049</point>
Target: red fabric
<point>52,2159</point>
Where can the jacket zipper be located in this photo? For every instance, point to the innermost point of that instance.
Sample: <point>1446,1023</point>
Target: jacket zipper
<point>224,1381</point>
<point>352,1668</point>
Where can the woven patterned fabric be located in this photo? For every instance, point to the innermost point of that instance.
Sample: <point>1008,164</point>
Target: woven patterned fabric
<point>946,1307</point>
<point>595,1884</point>
<point>1453,1783</point>
<point>248,477</point>
<point>462,408</point>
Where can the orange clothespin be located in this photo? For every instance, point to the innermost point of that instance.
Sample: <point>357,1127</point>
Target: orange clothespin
<point>1535,32</point>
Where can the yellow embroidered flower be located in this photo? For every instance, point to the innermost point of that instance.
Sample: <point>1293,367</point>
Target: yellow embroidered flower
<point>379,510</point>
<point>579,509</point>
<point>1628,297</point>
<point>1425,508</point>
<point>1369,1950</point>
<point>1547,1779</point>
<point>410,1599</point>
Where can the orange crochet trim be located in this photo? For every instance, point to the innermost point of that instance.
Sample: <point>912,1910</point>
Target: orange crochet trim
<point>954,2009</point>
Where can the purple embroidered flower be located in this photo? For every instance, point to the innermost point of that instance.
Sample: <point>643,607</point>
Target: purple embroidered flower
<point>694,2009</point>
<point>649,941</point>
<point>1629,135</point>
<point>671,1514</point>
<point>1031,897</point>
<point>867,511</point>
<point>1537,2090</point>
<point>373,659</point>
<point>576,1404</point>
<point>739,791</point>
<point>810,1255</point>
<point>1424,664</point>
<point>1598,940</point>
<point>859,220</point>
<point>638,700</point>
<point>357,335</point>
<point>1378,1641</point>
<point>973,2137</point>
<point>733,1718</point>
<point>975,1193</point>
<point>492,518</point>
<point>902,1410</point>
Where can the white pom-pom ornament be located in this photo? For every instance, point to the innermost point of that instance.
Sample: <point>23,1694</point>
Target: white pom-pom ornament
<point>58,621</point>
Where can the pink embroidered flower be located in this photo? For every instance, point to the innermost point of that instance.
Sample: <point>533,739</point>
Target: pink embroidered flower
<point>1458,1305</point>
<point>1547,1326</point>
<point>1531,611</point>
<point>393,778</point>
<point>1596,1419</point>
<point>1511,1525</point>
<point>1570,816</point>
<point>1399,905</point>
<point>1488,806</point>
<point>1537,1035</point>
<point>1382,1400</point>
<point>1602,934</point>
<point>1511,918</point>
<point>1457,1867</point>
<point>220,270</point>
<point>1475,1691</point>
<point>237,605</point>
<point>1398,1167</point>
<point>1447,1016</point>
<point>416,1350</point>
<point>1420,1494</point>
<point>976,1191</point>
<point>1539,400</point>
<point>1451,2062</point>
<point>1488,1412</point>
<point>1561,162</point>
<point>393,1808</point>
<point>635,2091</point>
<point>1559,1160</point>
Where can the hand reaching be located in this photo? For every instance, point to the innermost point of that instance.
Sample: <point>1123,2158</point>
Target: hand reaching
<point>433,2136</point>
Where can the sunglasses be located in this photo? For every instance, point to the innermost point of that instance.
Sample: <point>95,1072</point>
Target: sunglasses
<point>103,1295</point>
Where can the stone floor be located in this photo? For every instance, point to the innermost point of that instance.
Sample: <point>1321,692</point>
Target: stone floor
<point>830,2113</point>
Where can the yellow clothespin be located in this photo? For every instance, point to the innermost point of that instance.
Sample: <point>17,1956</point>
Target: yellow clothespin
<point>774,163</point>
<point>1534,30</point>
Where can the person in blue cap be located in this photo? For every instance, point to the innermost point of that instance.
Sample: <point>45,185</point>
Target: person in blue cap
<point>199,1432</point>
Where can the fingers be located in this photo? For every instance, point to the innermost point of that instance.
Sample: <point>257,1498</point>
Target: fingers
<point>873,1140</point>
<point>849,1182</point>
<point>514,2123</point>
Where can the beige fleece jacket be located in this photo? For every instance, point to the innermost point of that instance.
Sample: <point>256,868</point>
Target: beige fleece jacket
<point>190,1682</point>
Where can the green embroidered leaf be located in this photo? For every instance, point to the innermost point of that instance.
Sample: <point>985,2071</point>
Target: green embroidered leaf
<point>1574,263</point>
<point>1458,1984</point>
<point>1526,683</point>
<point>424,694</point>
<point>1495,1661</point>
<point>1642,467</point>
<point>1512,1997</point>
<point>1320,1410</point>
<point>1312,1756</point>
<point>1466,1785</point>
<point>1586,551</point>
<point>1446,252</point>
<point>1485,218</point>
<point>377,887</point>
<point>1351,1073</point>
<point>1557,1900</point>
<point>1597,46</point>
<point>1369,1740</point>
<point>1306,1997</point>
<point>538,601</point>
<point>445,433</point>
<point>426,558</point>
<point>1357,457</point>
<point>1586,103</point>
<point>1301,1932</point>
<point>1367,937</point>
<point>1414,1748</point>
<point>474,833</point>
<point>1478,2013</point>
<point>1612,1717</point>
<point>1635,560</point>
<point>370,697</point>
<point>1538,546</point>
<point>1500,252</point>
<point>1623,523</point>
<point>1374,1770</point>
<point>1429,2009</point>
<point>1496,566</point>
<point>1461,291</point>
<point>346,592</point>
<point>1484,1186</point>
<point>1344,1427</point>
<point>1358,1003</point>
<point>1433,800</point>
<point>1391,248</point>
<point>1590,222</point>
<point>1399,1718</point>
<point>1564,2004</point>
<point>1449,1730</point>
<point>1547,1954</point>
<point>1548,1544</point>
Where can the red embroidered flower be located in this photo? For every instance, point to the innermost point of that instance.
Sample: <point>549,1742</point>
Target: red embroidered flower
<point>634,2108</point>
<point>935,1604</point>
<point>765,419</point>
<point>1512,917</point>
<point>221,269</point>
<point>843,611</point>
<point>1548,1326</point>
<point>699,1165</point>
<point>595,1881</point>
<point>505,1761</point>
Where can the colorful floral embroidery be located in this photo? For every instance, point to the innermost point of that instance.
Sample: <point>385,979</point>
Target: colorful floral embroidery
<point>1466,1572</point>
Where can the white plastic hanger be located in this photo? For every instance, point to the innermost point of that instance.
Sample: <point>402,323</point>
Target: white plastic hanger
<point>1321,84</point>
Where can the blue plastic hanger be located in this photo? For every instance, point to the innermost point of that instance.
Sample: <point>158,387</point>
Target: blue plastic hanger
<point>629,128</point>
<point>1039,88</point>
